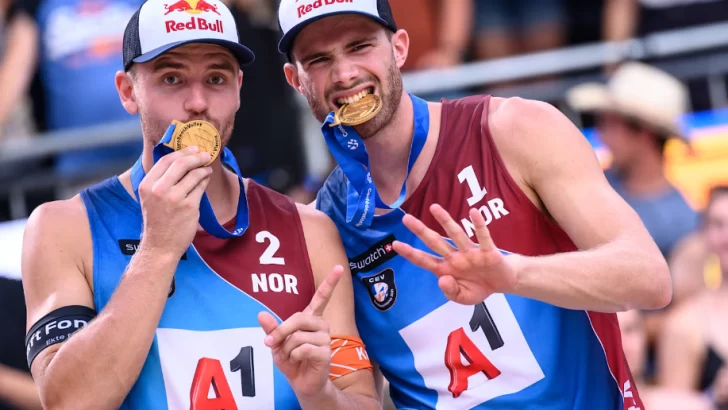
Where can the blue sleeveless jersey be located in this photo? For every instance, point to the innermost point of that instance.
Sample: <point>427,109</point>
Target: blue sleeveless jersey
<point>205,317</point>
<point>508,352</point>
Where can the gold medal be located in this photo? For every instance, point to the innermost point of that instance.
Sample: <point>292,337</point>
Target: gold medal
<point>358,112</point>
<point>199,133</point>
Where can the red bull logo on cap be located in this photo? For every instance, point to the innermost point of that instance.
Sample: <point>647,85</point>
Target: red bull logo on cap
<point>195,23</point>
<point>191,6</point>
<point>303,10</point>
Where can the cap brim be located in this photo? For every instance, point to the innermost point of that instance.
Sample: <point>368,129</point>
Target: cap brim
<point>240,52</point>
<point>286,43</point>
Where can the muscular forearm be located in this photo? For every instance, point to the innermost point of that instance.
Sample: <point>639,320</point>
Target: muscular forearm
<point>615,277</point>
<point>97,367</point>
<point>18,389</point>
<point>333,398</point>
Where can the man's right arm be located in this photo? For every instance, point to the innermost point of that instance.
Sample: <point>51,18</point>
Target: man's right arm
<point>97,367</point>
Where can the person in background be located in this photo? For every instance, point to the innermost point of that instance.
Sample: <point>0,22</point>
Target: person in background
<point>693,353</point>
<point>17,390</point>
<point>17,40</point>
<point>637,113</point>
<point>625,19</point>
<point>267,137</point>
<point>78,52</point>
<point>440,30</point>
<point>634,343</point>
<point>509,27</point>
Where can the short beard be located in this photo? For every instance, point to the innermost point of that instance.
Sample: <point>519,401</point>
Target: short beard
<point>390,102</point>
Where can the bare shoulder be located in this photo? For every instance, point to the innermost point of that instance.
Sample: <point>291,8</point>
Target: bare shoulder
<point>315,223</point>
<point>323,242</point>
<point>527,127</point>
<point>56,257</point>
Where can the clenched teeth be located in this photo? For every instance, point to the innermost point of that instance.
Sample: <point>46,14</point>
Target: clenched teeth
<point>354,98</point>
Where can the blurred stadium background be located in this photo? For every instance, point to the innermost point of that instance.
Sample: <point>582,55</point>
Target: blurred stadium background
<point>62,126</point>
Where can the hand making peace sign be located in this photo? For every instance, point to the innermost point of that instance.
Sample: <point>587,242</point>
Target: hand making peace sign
<point>301,345</point>
<point>468,273</point>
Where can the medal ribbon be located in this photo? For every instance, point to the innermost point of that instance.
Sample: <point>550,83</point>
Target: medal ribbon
<point>208,220</point>
<point>349,151</point>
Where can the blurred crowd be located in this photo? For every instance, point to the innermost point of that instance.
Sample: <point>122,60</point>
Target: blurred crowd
<point>58,59</point>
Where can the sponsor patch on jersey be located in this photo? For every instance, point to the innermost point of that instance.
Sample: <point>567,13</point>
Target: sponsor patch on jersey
<point>130,246</point>
<point>373,257</point>
<point>382,289</point>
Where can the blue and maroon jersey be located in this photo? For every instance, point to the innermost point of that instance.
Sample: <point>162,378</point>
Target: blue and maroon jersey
<point>208,348</point>
<point>508,352</point>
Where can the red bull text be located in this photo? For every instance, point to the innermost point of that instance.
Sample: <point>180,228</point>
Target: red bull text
<point>303,10</point>
<point>195,23</point>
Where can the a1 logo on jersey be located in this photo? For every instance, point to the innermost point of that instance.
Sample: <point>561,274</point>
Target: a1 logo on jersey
<point>382,289</point>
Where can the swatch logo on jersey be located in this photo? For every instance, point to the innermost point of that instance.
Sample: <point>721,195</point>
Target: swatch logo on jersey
<point>373,257</point>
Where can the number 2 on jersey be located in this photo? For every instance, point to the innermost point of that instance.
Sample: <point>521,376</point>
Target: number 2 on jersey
<point>459,344</point>
<point>268,258</point>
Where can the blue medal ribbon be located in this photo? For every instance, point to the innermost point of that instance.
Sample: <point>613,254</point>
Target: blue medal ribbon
<point>208,220</point>
<point>349,151</point>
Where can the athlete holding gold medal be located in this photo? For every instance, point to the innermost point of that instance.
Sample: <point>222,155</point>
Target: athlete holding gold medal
<point>179,284</point>
<point>488,251</point>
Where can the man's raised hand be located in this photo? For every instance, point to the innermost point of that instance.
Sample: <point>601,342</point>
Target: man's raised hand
<point>468,272</point>
<point>301,346</point>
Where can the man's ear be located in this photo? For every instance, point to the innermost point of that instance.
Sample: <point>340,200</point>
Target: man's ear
<point>125,88</point>
<point>400,46</point>
<point>291,72</point>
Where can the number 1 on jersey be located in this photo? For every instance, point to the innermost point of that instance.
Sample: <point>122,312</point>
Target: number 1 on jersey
<point>468,175</point>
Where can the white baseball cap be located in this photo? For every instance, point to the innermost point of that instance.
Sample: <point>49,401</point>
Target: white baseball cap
<point>159,26</point>
<point>294,15</point>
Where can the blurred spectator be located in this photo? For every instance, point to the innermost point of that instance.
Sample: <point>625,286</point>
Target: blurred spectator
<point>17,390</point>
<point>693,353</point>
<point>17,40</point>
<point>509,27</point>
<point>439,31</point>
<point>625,19</point>
<point>267,140</point>
<point>637,112</point>
<point>689,268</point>
<point>79,51</point>
<point>636,18</point>
<point>634,344</point>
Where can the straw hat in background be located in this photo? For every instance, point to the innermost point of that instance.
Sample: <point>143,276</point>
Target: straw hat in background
<point>638,91</point>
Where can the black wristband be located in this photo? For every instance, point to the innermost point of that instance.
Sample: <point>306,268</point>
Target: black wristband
<point>56,327</point>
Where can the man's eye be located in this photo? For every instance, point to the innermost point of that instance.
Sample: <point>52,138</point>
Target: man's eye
<point>361,47</point>
<point>170,79</point>
<point>217,80</point>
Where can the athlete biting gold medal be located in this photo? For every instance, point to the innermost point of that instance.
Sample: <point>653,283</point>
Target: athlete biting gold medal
<point>358,112</point>
<point>200,133</point>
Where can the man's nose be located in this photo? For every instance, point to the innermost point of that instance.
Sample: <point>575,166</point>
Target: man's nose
<point>344,72</point>
<point>196,100</point>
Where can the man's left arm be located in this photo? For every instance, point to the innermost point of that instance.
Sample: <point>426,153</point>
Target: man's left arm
<point>618,266</point>
<point>355,390</point>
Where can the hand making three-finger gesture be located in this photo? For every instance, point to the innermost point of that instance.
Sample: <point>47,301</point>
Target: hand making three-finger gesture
<point>301,345</point>
<point>468,272</point>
